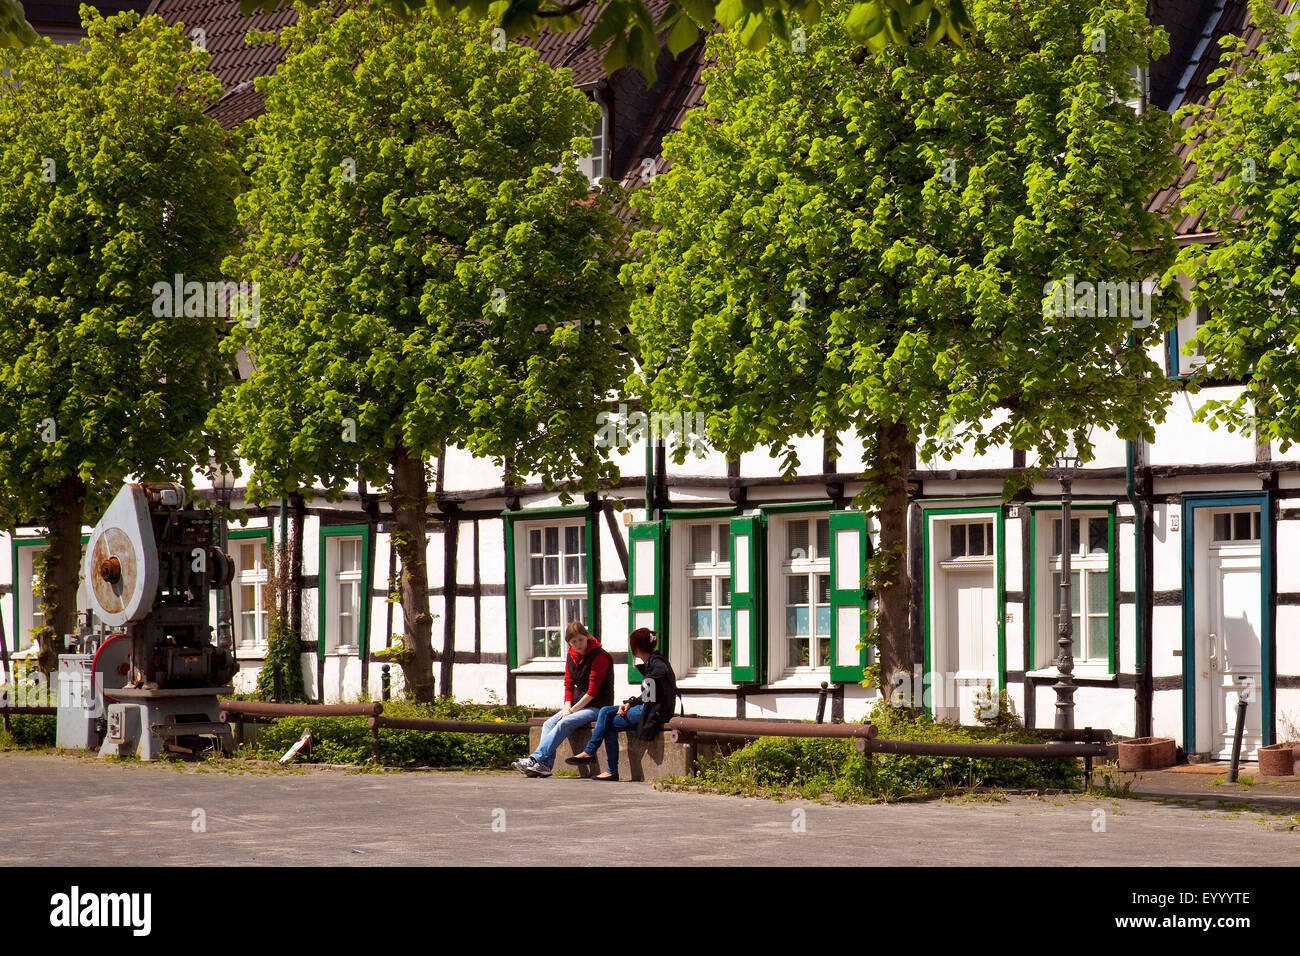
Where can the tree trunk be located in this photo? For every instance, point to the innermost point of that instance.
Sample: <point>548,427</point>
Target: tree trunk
<point>894,458</point>
<point>294,583</point>
<point>410,505</point>
<point>62,570</point>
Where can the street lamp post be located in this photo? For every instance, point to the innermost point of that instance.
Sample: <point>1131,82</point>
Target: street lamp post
<point>223,486</point>
<point>1067,463</point>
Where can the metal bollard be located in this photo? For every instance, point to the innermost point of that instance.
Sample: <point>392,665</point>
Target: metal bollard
<point>821,702</point>
<point>385,682</point>
<point>1242,704</point>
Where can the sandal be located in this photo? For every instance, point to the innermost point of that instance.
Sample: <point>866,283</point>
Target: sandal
<point>581,758</point>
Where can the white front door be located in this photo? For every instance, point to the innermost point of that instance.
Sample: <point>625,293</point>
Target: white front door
<point>968,662</point>
<point>1230,653</point>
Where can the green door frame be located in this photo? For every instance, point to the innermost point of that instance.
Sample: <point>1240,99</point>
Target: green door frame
<point>1267,605</point>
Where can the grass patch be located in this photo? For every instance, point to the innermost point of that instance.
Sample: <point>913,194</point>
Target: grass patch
<point>819,768</point>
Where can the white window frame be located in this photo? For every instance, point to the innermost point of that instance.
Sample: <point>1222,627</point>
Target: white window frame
<point>1049,603</point>
<point>257,578</point>
<point>595,164</point>
<point>782,565</point>
<point>684,572</point>
<point>561,591</point>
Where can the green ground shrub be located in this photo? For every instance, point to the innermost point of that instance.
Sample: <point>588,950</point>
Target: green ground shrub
<point>29,731</point>
<point>346,740</point>
<point>829,767</point>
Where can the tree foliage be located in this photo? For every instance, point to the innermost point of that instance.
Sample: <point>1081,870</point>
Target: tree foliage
<point>433,268</point>
<point>1247,192</point>
<point>855,242</point>
<point>111,179</point>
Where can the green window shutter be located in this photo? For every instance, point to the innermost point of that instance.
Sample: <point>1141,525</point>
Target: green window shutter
<point>748,625</point>
<point>848,597</point>
<point>647,590</point>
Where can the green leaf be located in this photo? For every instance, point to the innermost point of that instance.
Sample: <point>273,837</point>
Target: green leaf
<point>683,34</point>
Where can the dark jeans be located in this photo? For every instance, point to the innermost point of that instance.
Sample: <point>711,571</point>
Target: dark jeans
<point>609,724</point>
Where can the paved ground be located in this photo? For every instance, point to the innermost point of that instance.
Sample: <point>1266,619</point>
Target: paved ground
<point>1209,783</point>
<point>85,812</point>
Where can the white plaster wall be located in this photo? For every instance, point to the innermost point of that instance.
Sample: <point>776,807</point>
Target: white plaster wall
<point>1167,714</point>
<point>710,464</point>
<point>1166,637</point>
<point>494,626</point>
<point>1288,641</point>
<point>1101,707</point>
<point>1288,714</point>
<point>1288,563</point>
<point>1181,441</point>
<point>465,472</point>
<point>1167,548</point>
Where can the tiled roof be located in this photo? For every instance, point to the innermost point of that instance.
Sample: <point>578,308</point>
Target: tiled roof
<point>684,92</point>
<point>235,63</point>
<point>1229,17</point>
<point>1187,22</point>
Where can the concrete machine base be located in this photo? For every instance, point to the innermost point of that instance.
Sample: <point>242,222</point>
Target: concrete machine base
<point>142,721</point>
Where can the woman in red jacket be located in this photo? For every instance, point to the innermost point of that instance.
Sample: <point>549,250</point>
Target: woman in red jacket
<point>589,677</point>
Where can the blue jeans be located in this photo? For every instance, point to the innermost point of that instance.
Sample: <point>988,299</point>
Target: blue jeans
<point>557,729</point>
<point>609,724</point>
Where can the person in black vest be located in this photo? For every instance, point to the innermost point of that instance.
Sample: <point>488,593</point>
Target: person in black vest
<point>647,712</point>
<point>588,676</point>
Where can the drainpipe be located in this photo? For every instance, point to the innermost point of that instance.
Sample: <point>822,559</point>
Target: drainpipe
<point>649,477</point>
<point>1143,650</point>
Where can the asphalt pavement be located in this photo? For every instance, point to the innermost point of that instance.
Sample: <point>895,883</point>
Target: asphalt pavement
<point>81,811</point>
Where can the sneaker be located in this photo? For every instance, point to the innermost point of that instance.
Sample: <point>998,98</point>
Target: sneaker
<point>523,765</point>
<point>537,769</point>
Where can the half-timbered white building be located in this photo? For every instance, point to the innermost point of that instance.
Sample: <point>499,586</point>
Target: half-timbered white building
<point>1185,551</point>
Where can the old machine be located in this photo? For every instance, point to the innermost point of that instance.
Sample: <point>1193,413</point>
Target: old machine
<point>149,567</point>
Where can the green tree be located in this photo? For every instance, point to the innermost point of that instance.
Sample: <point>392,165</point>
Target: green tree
<point>14,28</point>
<point>111,180</point>
<point>434,271</point>
<point>857,243</point>
<point>636,34</point>
<point>1247,192</point>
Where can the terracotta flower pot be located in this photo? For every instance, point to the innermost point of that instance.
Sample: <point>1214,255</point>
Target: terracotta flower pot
<point>1279,760</point>
<point>1146,753</point>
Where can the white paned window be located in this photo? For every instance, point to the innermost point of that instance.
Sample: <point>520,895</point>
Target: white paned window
<point>1089,592</point>
<point>970,539</point>
<point>345,594</point>
<point>705,586</point>
<point>249,593</point>
<point>556,593</point>
<point>805,594</point>
<point>593,164</point>
<point>1236,526</point>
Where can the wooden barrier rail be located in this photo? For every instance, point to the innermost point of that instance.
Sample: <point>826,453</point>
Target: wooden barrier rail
<point>448,726</point>
<point>1087,743</point>
<point>256,708</point>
